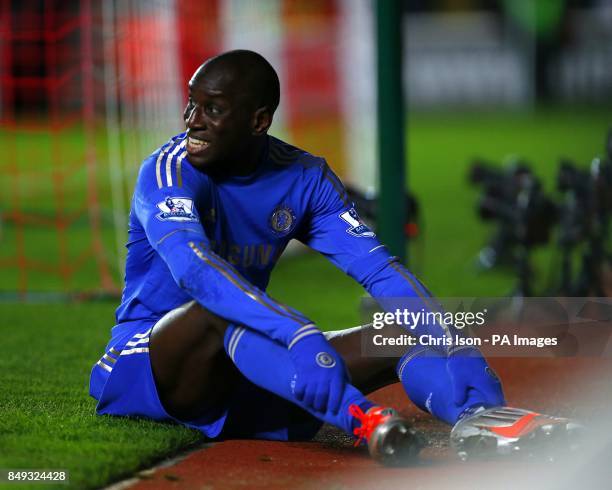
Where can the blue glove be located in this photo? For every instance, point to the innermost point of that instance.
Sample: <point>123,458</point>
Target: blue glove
<point>425,378</point>
<point>472,378</point>
<point>320,374</point>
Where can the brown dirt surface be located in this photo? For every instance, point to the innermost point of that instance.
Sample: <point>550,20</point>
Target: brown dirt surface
<point>579,388</point>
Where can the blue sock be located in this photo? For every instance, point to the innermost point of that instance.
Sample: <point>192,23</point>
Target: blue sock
<point>423,375</point>
<point>267,364</point>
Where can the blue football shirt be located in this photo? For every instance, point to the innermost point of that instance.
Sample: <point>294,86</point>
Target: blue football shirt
<point>192,236</point>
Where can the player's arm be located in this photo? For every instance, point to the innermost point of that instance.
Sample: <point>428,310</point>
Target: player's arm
<point>164,203</point>
<point>335,230</point>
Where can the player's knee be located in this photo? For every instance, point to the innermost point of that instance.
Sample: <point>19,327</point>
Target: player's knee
<point>205,318</point>
<point>187,333</point>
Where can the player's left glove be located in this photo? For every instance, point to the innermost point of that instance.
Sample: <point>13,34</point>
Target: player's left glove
<point>320,373</point>
<point>472,378</point>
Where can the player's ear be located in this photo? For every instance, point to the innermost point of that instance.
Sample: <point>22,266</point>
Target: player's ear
<point>262,120</point>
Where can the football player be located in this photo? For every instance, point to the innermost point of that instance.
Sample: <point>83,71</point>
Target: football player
<point>197,340</point>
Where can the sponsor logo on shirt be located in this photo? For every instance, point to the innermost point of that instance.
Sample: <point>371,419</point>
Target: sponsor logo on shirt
<point>357,227</point>
<point>176,209</point>
<point>245,255</point>
<point>282,219</point>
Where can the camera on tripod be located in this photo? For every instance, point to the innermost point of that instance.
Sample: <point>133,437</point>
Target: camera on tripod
<point>512,197</point>
<point>584,226</point>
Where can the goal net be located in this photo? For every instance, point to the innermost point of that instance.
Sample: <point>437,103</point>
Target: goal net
<point>89,88</point>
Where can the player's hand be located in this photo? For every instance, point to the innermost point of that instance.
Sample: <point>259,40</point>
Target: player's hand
<point>469,373</point>
<point>320,374</point>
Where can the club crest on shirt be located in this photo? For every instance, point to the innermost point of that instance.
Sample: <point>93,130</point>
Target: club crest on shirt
<point>357,227</point>
<point>325,360</point>
<point>282,219</point>
<point>176,209</point>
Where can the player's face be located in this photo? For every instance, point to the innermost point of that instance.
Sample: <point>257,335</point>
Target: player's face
<point>218,121</point>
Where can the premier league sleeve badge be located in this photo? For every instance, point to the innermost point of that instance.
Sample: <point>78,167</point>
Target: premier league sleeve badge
<point>177,209</point>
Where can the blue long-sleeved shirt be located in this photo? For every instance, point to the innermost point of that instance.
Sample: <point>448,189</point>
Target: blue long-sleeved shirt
<point>216,241</point>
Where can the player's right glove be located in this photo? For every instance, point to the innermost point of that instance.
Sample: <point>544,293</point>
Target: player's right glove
<point>320,374</point>
<point>468,371</point>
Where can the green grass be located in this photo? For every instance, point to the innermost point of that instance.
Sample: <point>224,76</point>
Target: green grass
<point>46,417</point>
<point>441,147</point>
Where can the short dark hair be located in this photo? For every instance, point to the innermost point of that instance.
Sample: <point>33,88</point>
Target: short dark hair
<point>254,70</point>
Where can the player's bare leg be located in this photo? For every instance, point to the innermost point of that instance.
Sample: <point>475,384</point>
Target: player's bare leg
<point>187,349</point>
<point>192,371</point>
<point>195,375</point>
<point>367,373</point>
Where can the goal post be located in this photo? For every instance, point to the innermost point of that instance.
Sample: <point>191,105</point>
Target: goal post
<point>391,130</point>
<point>89,88</point>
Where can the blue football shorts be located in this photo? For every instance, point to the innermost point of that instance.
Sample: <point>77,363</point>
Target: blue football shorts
<point>123,384</point>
